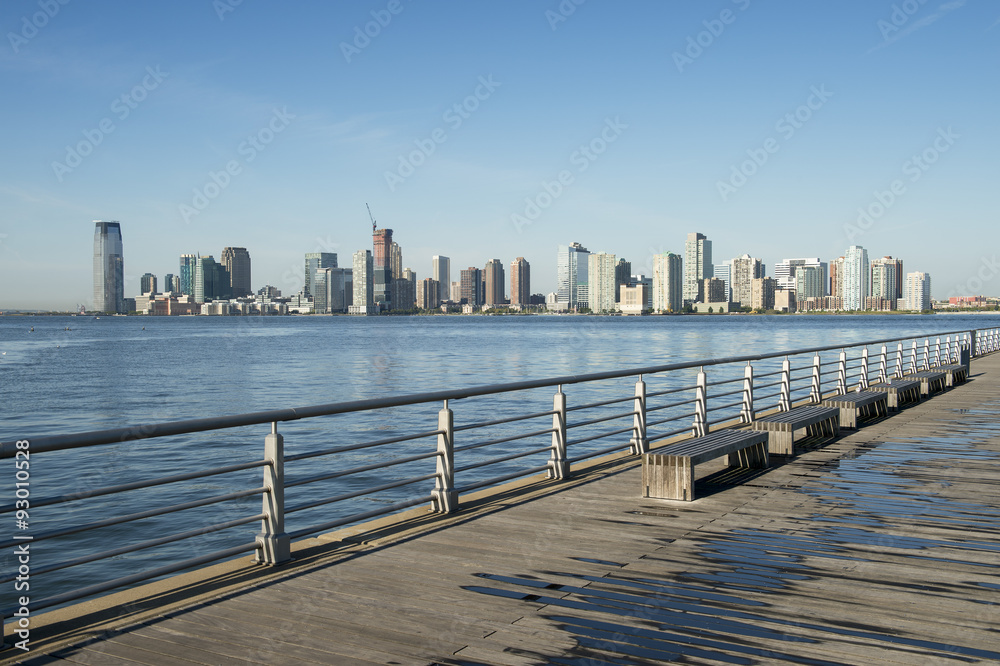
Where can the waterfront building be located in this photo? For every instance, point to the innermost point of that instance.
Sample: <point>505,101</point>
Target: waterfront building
<point>786,270</point>
<point>648,281</point>
<point>171,283</point>
<point>236,261</point>
<point>918,291</point>
<point>211,281</point>
<point>109,267</point>
<point>382,268</point>
<point>404,290</point>
<point>697,265</point>
<point>634,299</point>
<point>722,271</point>
<point>571,276</point>
<point>455,292</point>
<point>313,262</point>
<point>187,269</point>
<point>744,271</point>
<point>623,277</point>
<point>668,282</point>
<point>855,279</point>
<point>494,278</point>
<point>714,290</point>
<point>441,273</point>
<point>332,290</point>
<point>520,282</point>
<point>472,286</point>
<point>147,284</point>
<point>762,293</point>
<point>886,274</point>
<point>810,282</point>
<point>837,279</point>
<point>785,300</point>
<point>601,276</point>
<point>362,283</point>
<point>427,294</point>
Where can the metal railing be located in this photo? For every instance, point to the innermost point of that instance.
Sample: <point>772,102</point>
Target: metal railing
<point>668,401</point>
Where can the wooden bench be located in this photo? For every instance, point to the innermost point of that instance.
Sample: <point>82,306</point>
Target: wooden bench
<point>899,391</point>
<point>668,473</point>
<point>860,404</point>
<point>956,373</point>
<point>781,427</point>
<point>930,380</point>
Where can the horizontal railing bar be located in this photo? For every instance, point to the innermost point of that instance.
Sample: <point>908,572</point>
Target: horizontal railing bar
<point>726,381</point>
<point>362,468</point>
<point>600,404</point>
<point>358,493</point>
<point>500,479</point>
<point>150,483</point>
<point>776,407</point>
<point>688,415</point>
<point>484,424</point>
<point>613,417</point>
<point>715,396</point>
<point>671,404</point>
<point>654,394</point>
<point>802,368</point>
<point>493,461</point>
<point>600,436</point>
<point>599,452</point>
<point>757,386</point>
<point>136,578</point>
<point>766,395</point>
<point>479,445</point>
<point>148,431</point>
<point>152,543</point>
<point>759,375</point>
<point>732,404</point>
<point>138,516</point>
<point>363,445</point>
<point>672,433</point>
<point>357,517</point>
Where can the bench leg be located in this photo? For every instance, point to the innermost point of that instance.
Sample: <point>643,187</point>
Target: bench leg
<point>780,443</point>
<point>752,456</point>
<point>892,401</point>
<point>668,477</point>
<point>848,417</point>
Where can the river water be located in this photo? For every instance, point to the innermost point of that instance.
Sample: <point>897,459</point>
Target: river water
<point>63,374</point>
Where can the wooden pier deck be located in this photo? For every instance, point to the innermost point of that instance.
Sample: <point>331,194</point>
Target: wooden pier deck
<point>880,547</point>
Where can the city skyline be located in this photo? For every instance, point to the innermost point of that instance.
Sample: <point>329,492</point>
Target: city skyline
<point>762,125</point>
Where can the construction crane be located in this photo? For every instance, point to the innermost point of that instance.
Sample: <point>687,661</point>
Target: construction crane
<point>371,216</point>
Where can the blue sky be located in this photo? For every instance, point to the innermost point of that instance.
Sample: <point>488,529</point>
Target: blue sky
<point>765,126</point>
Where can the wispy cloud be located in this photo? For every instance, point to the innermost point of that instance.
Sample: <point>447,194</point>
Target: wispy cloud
<point>910,28</point>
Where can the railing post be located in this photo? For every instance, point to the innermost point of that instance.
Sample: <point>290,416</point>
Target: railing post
<point>785,400</point>
<point>558,467</point>
<point>747,414</point>
<point>937,351</point>
<point>639,443</point>
<point>701,405</point>
<point>816,391</point>
<point>913,357</point>
<point>273,544</point>
<point>883,365</point>
<point>444,494</point>
<point>947,349</point>
<point>842,373</point>
<point>863,385</point>
<point>899,361</point>
<point>927,354</point>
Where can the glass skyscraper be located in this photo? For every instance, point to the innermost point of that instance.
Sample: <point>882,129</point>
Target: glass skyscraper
<point>109,268</point>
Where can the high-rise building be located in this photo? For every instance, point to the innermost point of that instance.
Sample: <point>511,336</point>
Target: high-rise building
<point>472,286</point>
<point>494,278</point>
<point>601,268</point>
<point>714,290</point>
<point>762,293</point>
<point>382,248</point>
<point>109,267</point>
<point>837,278</point>
<point>571,276</point>
<point>147,284</point>
<point>744,271</point>
<point>362,281</point>
<point>722,271</point>
<point>786,270</point>
<point>382,258</point>
<point>211,281</point>
<point>396,260</point>
<point>404,290</point>
<point>236,261</point>
<point>810,282</point>
<point>623,276</point>
<point>668,282</point>
<point>697,265</point>
<point>455,291</point>
<point>441,272</point>
<point>313,262</point>
<point>884,279</point>
<point>332,290</point>
<point>187,269</point>
<point>855,279</point>
<point>520,282</point>
<point>171,283</point>
<point>640,279</point>
<point>427,294</point>
<point>918,291</point>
